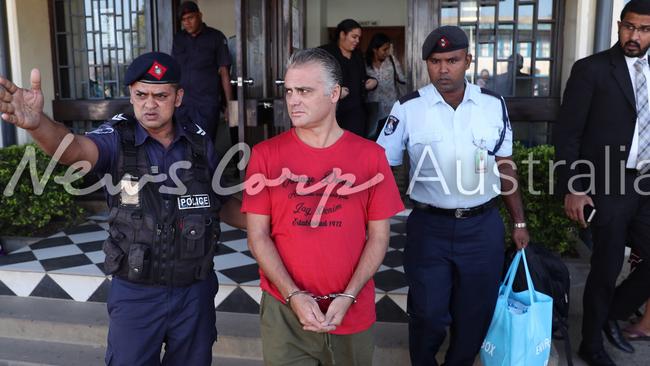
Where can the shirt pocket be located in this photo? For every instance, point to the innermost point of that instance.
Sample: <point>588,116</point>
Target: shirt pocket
<point>425,138</point>
<point>419,144</point>
<point>486,136</point>
<point>181,55</point>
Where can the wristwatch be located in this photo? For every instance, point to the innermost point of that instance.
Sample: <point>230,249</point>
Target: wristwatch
<point>520,225</point>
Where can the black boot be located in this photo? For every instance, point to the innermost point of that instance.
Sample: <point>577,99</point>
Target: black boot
<point>615,336</point>
<point>595,358</point>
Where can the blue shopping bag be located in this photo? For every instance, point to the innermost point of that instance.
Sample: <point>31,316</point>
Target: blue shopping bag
<point>520,331</point>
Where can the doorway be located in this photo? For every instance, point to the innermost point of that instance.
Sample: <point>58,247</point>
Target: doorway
<point>265,34</point>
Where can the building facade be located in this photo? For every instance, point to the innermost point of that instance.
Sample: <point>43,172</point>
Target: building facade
<point>83,48</point>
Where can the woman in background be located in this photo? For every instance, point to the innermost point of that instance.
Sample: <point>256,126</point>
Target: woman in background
<point>351,113</point>
<point>391,84</point>
<point>483,79</point>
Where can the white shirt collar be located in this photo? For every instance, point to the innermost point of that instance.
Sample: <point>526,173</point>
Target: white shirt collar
<point>631,60</point>
<point>432,94</point>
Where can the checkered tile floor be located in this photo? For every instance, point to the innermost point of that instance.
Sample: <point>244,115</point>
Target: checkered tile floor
<point>69,265</point>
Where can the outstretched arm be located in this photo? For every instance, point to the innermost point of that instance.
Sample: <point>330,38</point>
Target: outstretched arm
<point>24,108</point>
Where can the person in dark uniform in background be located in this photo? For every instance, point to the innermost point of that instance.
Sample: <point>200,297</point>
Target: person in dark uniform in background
<point>455,133</point>
<point>161,243</point>
<point>604,121</point>
<point>522,86</point>
<point>351,113</point>
<point>203,54</point>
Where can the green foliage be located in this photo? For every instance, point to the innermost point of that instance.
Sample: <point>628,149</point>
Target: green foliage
<point>545,218</point>
<point>26,212</point>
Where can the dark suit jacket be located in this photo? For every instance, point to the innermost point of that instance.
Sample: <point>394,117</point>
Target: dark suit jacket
<point>596,123</point>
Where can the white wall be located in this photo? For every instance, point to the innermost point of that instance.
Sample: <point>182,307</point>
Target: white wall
<point>579,29</point>
<point>578,40</point>
<point>316,23</point>
<point>29,45</point>
<point>618,6</point>
<point>321,14</point>
<point>219,14</point>
<point>384,12</point>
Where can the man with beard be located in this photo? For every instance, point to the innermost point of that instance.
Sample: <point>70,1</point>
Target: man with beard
<point>603,142</point>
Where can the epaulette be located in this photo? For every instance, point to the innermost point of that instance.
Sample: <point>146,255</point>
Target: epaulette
<point>504,117</point>
<point>121,118</point>
<point>193,128</point>
<point>199,150</point>
<point>195,134</point>
<point>409,96</point>
<point>490,92</point>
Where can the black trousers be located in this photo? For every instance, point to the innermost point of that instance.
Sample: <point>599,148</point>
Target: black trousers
<point>453,267</point>
<point>620,221</point>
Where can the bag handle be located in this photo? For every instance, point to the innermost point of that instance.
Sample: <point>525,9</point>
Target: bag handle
<point>529,280</point>
<point>513,266</point>
<point>510,276</point>
<point>512,273</point>
<point>395,76</point>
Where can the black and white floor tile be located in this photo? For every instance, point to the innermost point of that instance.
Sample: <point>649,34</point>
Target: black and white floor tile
<point>69,265</point>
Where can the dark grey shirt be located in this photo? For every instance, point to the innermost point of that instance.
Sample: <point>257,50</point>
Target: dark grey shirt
<point>200,58</point>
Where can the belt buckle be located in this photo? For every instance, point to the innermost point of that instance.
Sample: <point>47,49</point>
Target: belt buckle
<point>460,213</point>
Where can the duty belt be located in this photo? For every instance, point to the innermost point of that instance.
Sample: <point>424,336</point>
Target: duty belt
<point>459,213</point>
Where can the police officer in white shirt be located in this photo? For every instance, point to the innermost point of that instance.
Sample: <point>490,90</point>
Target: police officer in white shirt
<point>459,143</point>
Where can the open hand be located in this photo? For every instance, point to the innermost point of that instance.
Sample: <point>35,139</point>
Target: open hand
<point>22,107</point>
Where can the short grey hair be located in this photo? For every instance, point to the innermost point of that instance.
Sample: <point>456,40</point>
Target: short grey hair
<point>332,74</point>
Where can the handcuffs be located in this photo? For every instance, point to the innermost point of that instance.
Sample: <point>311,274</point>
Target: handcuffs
<point>319,298</point>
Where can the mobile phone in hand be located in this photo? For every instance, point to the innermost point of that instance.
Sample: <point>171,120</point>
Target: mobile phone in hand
<point>589,212</point>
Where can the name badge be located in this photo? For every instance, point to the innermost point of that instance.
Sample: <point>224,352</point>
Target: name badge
<point>193,201</point>
<point>480,158</point>
<point>129,191</point>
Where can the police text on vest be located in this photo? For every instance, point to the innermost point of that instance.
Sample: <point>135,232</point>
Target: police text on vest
<point>193,201</point>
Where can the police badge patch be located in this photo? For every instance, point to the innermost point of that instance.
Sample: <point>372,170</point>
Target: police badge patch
<point>391,125</point>
<point>193,201</point>
<point>157,70</point>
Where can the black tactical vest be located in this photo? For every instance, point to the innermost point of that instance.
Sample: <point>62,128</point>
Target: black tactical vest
<point>160,238</point>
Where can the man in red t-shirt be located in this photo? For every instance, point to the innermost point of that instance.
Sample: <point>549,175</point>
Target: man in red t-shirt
<point>318,201</point>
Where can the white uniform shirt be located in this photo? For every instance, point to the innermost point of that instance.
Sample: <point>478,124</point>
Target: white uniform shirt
<point>442,145</point>
<point>634,148</point>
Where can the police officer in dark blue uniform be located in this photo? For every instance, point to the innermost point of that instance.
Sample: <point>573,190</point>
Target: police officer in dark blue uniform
<point>459,143</point>
<point>164,214</point>
<point>203,54</point>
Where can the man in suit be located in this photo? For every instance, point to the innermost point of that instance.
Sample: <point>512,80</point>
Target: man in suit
<point>602,140</point>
